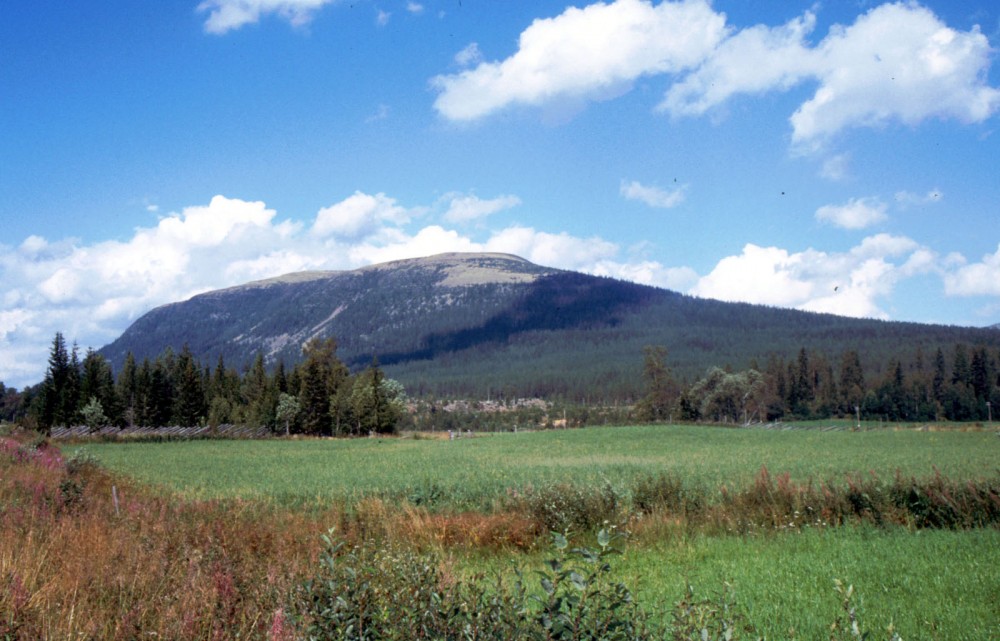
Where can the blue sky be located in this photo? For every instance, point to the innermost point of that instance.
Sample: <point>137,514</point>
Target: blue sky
<point>834,156</point>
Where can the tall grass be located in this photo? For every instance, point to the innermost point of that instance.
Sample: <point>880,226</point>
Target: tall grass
<point>72,565</point>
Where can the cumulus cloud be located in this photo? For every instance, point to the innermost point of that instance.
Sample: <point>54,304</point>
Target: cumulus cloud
<point>414,7</point>
<point>227,15</point>
<point>897,63</point>
<point>92,292</point>
<point>358,216</point>
<point>976,279</point>
<point>651,195</point>
<point>848,283</point>
<point>856,213</point>
<point>462,209</point>
<point>584,53</point>
<point>755,60</point>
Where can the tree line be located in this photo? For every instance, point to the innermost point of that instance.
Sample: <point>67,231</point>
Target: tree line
<point>319,396</point>
<point>961,386</point>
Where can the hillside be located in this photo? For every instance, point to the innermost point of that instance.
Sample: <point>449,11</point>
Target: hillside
<point>485,324</point>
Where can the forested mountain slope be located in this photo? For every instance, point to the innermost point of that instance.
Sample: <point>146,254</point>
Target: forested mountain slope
<point>485,324</point>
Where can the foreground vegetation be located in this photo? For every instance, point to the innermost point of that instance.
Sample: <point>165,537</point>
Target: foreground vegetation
<point>715,541</point>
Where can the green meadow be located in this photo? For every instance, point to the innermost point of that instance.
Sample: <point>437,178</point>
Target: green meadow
<point>920,583</point>
<point>469,473</point>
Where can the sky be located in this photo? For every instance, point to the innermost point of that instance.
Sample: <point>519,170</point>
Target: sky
<point>835,156</point>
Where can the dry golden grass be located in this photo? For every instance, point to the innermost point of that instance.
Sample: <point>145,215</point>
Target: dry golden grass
<point>72,566</point>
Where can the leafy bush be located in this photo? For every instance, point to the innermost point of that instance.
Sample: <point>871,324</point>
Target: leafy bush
<point>390,593</point>
<point>563,507</point>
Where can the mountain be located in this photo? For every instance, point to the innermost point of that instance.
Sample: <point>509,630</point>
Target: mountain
<point>485,324</point>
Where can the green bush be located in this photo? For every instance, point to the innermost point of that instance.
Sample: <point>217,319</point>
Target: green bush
<point>391,593</point>
<point>563,507</point>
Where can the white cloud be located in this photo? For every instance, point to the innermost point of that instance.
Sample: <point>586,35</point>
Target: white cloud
<point>755,60</point>
<point>648,272</point>
<point>587,54</point>
<point>556,250</point>
<point>227,15</point>
<point>896,63</point>
<point>358,216</point>
<point>414,7</point>
<point>653,196</point>
<point>851,283</point>
<point>470,55</point>
<point>857,213</point>
<point>977,279</point>
<point>382,17</point>
<point>462,209</point>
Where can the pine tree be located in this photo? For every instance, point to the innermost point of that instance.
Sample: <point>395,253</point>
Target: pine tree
<point>127,390</point>
<point>852,381</point>
<point>189,402</point>
<point>322,373</point>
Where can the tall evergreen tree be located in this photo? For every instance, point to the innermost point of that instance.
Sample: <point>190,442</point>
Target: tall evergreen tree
<point>189,402</point>
<point>940,377</point>
<point>852,381</point>
<point>127,387</point>
<point>58,402</point>
<point>322,374</point>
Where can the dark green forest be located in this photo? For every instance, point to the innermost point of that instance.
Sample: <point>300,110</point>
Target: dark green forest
<point>320,396</point>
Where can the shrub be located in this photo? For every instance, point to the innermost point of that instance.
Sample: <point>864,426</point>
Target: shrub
<point>390,593</point>
<point>563,507</point>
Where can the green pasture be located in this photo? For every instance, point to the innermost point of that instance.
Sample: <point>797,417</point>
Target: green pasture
<point>473,472</point>
<point>929,584</point>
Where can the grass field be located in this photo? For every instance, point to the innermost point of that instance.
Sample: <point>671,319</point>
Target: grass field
<point>929,584</point>
<point>472,472</point>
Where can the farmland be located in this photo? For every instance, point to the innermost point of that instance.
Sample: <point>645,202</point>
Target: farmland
<point>245,517</point>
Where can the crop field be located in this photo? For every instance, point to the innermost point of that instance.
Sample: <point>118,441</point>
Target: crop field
<point>470,473</point>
